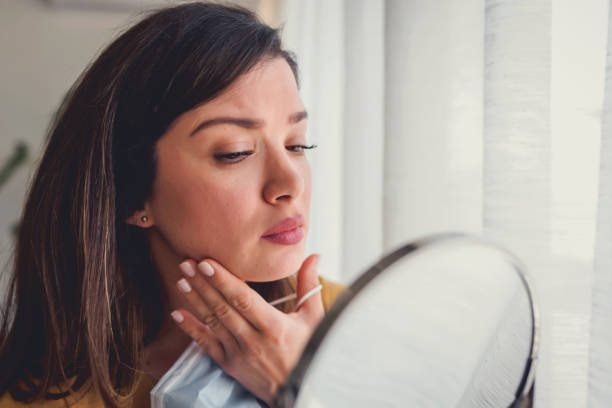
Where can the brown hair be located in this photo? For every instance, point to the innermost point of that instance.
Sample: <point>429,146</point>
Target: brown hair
<point>82,301</point>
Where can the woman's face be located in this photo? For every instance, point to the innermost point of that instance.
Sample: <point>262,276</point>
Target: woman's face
<point>228,172</point>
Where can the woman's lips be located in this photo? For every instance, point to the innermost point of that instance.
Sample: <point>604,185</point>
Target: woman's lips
<point>290,237</point>
<point>287,232</point>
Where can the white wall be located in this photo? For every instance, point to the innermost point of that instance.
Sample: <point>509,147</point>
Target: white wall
<point>43,50</point>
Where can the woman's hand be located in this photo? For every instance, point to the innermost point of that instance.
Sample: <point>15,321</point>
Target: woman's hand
<point>249,339</point>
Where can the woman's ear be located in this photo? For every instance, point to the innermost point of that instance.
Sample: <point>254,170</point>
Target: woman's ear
<point>141,218</point>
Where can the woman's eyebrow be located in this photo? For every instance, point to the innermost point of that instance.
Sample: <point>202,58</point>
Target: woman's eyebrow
<point>244,122</point>
<point>298,116</point>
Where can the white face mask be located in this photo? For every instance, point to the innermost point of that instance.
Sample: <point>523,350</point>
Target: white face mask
<point>196,381</point>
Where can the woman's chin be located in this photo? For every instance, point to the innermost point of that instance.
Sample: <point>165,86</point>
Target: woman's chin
<point>273,269</point>
<point>269,276</point>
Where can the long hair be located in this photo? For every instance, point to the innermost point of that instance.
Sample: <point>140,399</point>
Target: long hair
<point>84,298</point>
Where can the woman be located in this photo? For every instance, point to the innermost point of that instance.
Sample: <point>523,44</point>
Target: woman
<point>177,157</point>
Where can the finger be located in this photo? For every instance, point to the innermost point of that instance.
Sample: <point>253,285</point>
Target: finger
<point>234,324</point>
<point>199,306</point>
<point>246,301</point>
<point>201,334</point>
<point>308,279</point>
<point>202,309</point>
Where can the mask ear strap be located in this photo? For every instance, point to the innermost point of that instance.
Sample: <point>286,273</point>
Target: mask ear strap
<point>283,299</point>
<point>308,294</point>
<point>292,296</point>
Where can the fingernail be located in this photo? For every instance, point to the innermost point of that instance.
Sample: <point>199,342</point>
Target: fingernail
<point>183,285</point>
<point>187,269</point>
<point>206,269</point>
<point>177,316</point>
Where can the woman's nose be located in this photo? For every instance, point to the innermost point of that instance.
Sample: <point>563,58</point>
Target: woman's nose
<point>284,177</point>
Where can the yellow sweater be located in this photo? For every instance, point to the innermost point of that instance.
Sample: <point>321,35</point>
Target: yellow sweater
<point>91,398</point>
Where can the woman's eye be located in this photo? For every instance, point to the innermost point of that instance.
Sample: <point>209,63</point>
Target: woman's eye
<point>300,148</point>
<point>233,157</point>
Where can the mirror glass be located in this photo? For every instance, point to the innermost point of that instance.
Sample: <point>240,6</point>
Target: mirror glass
<point>448,321</point>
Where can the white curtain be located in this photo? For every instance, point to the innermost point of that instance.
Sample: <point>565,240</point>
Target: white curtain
<point>600,353</point>
<point>484,116</point>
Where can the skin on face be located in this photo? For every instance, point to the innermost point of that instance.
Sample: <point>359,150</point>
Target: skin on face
<point>204,205</point>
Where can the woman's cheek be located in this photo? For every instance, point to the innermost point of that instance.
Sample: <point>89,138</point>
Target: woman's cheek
<point>222,223</point>
<point>182,220</point>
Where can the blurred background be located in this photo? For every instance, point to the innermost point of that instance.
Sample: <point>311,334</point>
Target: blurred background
<point>484,116</point>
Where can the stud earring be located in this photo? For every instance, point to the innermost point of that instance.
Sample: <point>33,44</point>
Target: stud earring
<point>144,218</point>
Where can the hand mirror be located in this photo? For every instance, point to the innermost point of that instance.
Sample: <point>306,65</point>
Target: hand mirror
<point>446,321</point>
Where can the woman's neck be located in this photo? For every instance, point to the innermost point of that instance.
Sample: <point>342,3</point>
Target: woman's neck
<point>171,341</point>
<point>160,355</point>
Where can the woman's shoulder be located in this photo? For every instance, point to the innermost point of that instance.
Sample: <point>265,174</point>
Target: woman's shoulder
<point>6,401</point>
<point>330,292</point>
<point>89,398</point>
